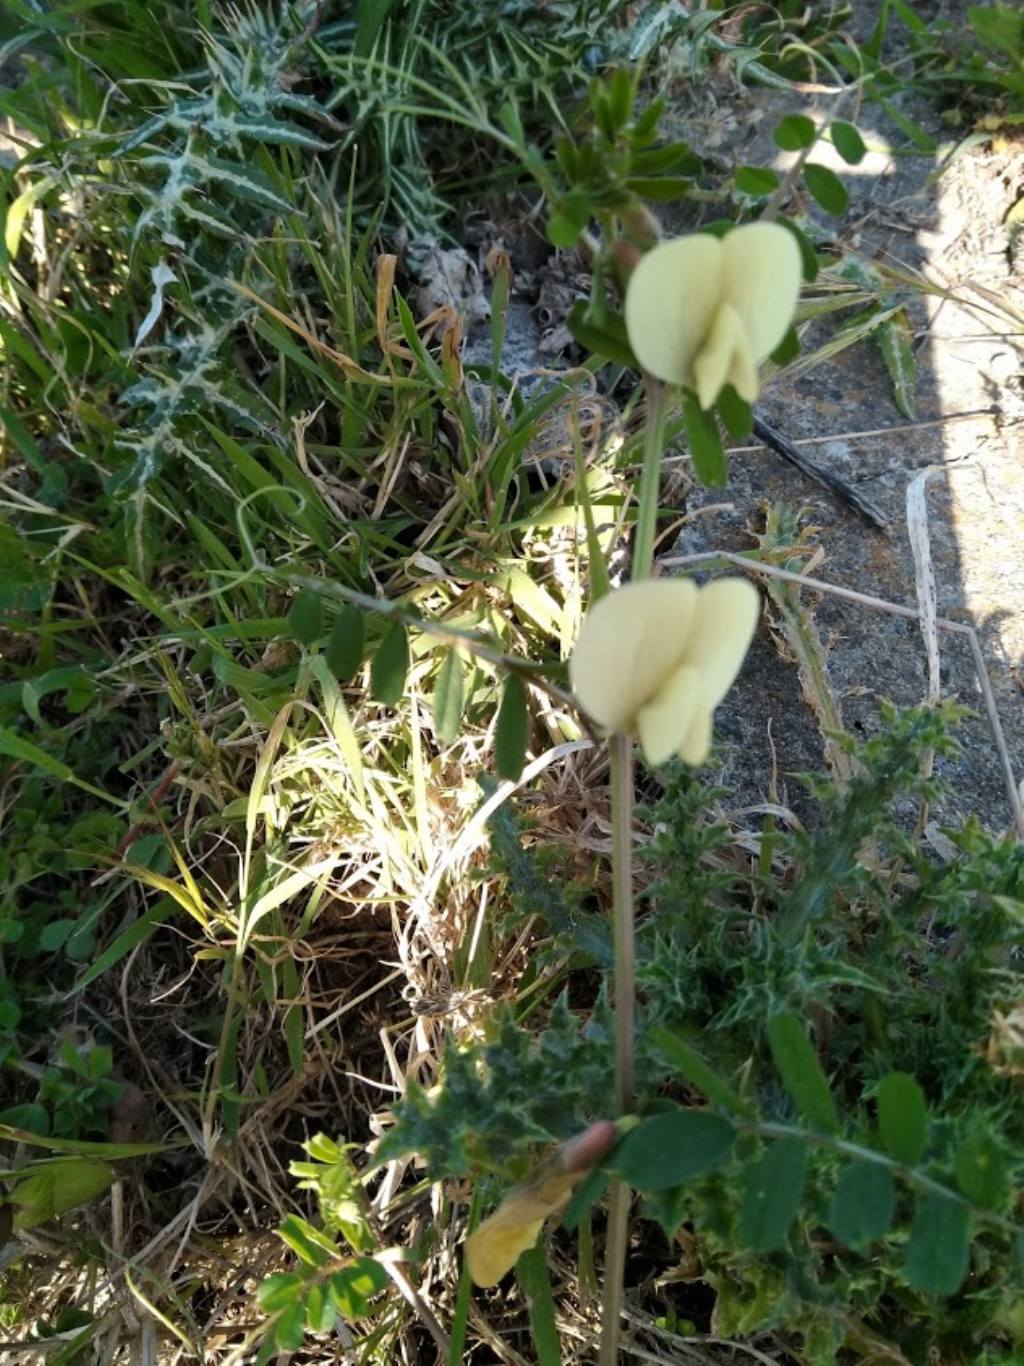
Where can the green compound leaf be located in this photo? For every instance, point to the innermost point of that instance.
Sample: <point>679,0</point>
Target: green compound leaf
<point>53,935</point>
<point>673,1147</point>
<point>775,1188</point>
<point>863,1204</point>
<point>277,1292</point>
<point>902,1117</point>
<point>290,1327</point>
<point>808,256</point>
<point>346,643</point>
<point>352,1287</point>
<point>58,1185</point>
<point>606,337</point>
<point>795,132</point>
<point>321,1315</point>
<point>848,142</point>
<point>511,730</point>
<point>980,1169</point>
<point>390,665</point>
<point>705,443</point>
<point>737,416</point>
<point>565,226</point>
<point>757,181</point>
<point>31,1116</point>
<point>801,1073</point>
<point>448,697</point>
<point>826,187</point>
<point>306,617</point>
<point>308,1243</point>
<point>938,1247</point>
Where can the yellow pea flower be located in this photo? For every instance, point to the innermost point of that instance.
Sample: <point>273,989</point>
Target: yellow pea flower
<point>655,658</point>
<point>515,1225</point>
<point>705,311</point>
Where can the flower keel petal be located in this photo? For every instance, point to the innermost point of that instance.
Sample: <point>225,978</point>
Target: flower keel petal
<point>696,745</point>
<point>663,724</point>
<point>726,355</point>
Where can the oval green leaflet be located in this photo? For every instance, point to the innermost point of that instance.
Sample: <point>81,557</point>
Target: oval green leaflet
<point>390,665</point>
<point>306,617</point>
<point>511,730</point>
<point>346,643</point>
<point>775,1188</point>
<point>670,1148</point>
<point>448,697</point>
<point>902,1117</point>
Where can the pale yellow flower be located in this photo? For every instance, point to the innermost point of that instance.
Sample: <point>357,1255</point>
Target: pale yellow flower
<point>655,658</point>
<point>515,1225</point>
<point>704,311</point>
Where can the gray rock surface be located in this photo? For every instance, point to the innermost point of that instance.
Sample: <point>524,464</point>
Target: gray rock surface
<point>952,232</point>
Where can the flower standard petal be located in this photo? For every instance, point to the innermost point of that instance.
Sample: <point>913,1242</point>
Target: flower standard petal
<point>720,634</point>
<point>671,301</point>
<point>495,1247</point>
<point>664,722</point>
<point>761,279</point>
<point>630,642</point>
<point>513,1228</point>
<point>499,1242</point>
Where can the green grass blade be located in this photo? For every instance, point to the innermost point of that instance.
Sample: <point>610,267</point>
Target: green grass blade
<point>535,1282</point>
